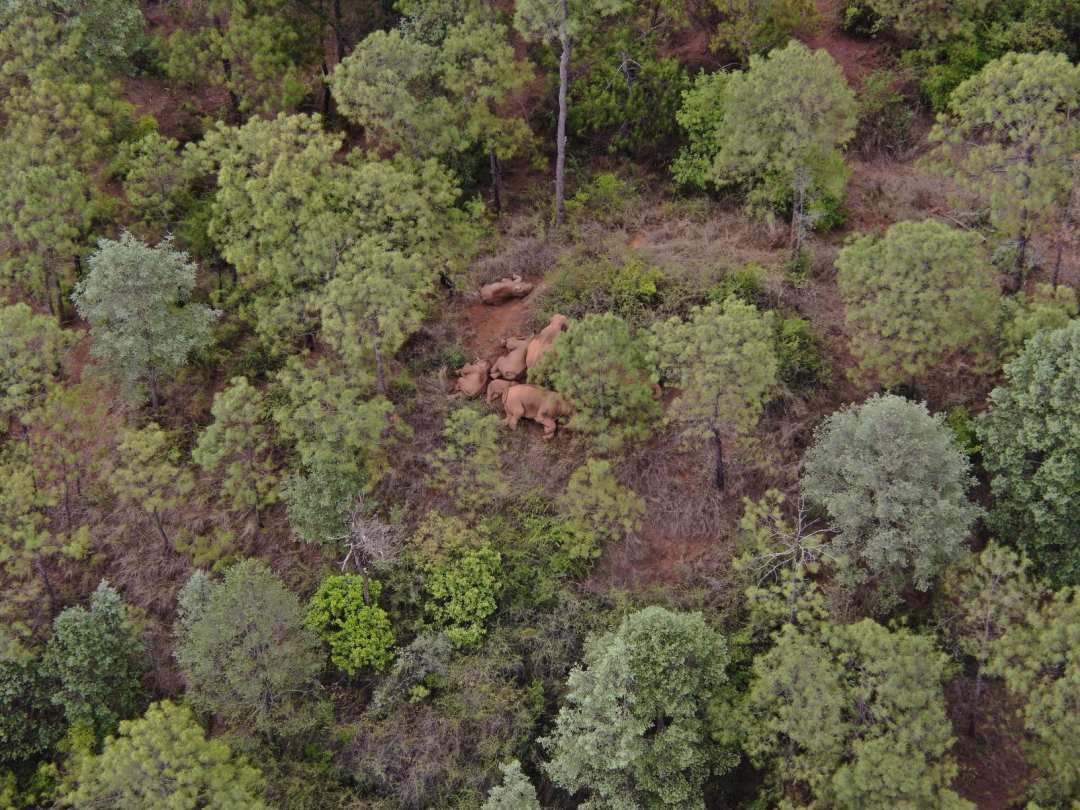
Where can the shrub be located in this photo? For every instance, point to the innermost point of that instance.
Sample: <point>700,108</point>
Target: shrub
<point>801,364</point>
<point>630,288</point>
<point>345,614</point>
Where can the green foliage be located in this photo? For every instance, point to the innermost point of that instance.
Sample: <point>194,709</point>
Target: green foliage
<point>246,654</point>
<point>604,371</point>
<point>469,464</point>
<point>435,99</point>
<point>255,49</point>
<point>960,421</point>
<point>630,289</point>
<point>1040,661</point>
<point>800,363</point>
<point>238,446</point>
<point>723,362</point>
<point>701,118</point>
<point>333,421</point>
<point>1026,314</point>
<point>147,476</point>
<point>914,296</point>
<point>1008,135</point>
<point>463,594</point>
<point>598,505</point>
<point>30,725</point>
<point>854,717</point>
<point>33,347</point>
<point>156,179</point>
<point>928,20</point>
<point>751,27</point>
<point>98,661</point>
<point>319,501</point>
<point>629,97</point>
<point>783,121</point>
<point>885,115</point>
<point>895,486</point>
<point>188,771</point>
<point>345,614</point>
<point>137,300</point>
<point>632,731</point>
<point>106,33</point>
<point>514,793</point>
<point>1031,448</point>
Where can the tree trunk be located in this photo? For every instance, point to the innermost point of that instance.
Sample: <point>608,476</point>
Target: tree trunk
<point>39,566</point>
<point>154,389</point>
<point>339,34</point>
<point>798,212</point>
<point>161,531</point>
<point>380,372</point>
<point>1023,239</point>
<point>1066,233</point>
<point>364,583</point>
<point>560,134</point>
<point>226,69</point>
<point>719,472</point>
<point>496,180</point>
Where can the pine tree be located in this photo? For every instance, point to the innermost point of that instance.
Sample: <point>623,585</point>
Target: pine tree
<point>724,364</point>
<point>469,464</point>
<point>30,360</point>
<point>147,476</point>
<point>514,793</point>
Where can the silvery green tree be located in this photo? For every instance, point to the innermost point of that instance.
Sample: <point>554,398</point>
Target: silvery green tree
<point>562,22</point>
<point>634,729</point>
<point>514,793</point>
<point>915,295</point>
<point>894,484</point>
<point>1009,135</point>
<point>785,119</point>
<point>137,299</point>
<point>1031,447</point>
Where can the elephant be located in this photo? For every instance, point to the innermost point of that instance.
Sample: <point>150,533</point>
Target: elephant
<point>545,340</point>
<point>511,366</point>
<point>496,390</point>
<point>536,403</point>
<point>503,290</point>
<point>472,379</point>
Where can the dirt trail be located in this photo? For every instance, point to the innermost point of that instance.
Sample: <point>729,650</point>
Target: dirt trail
<point>856,57</point>
<point>483,327</point>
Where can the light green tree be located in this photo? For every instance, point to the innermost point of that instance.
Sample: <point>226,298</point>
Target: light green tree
<point>785,118</point>
<point>373,307</point>
<point>344,611</point>
<point>515,792</point>
<point>156,178</point>
<point>30,360</point>
<point>1040,662</point>
<point>894,484</point>
<point>982,598</point>
<point>1009,135</point>
<point>98,660</point>
<point>701,118</point>
<point>334,422</point>
<point>259,51</point>
<point>147,476</point>
<point>463,593</point>
<point>915,295</point>
<point>753,26</point>
<point>137,299</point>
<point>564,22</point>
<point>106,33</point>
<point>319,501</point>
<point>1044,309</point>
<point>246,654</point>
<point>597,504</point>
<point>930,21</point>
<point>723,361</point>
<point>163,759</point>
<point>468,466</point>
<point>605,372</point>
<point>853,716</point>
<point>1031,447</point>
<point>633,730</point>
<point>238,445</point>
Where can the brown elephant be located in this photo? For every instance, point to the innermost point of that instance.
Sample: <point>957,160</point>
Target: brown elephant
<point>545,340</point>
<point>505,289</point>
<point>536,403</point>
<point>472,379</point>
<point>511,366</point>
<point>496,390</point>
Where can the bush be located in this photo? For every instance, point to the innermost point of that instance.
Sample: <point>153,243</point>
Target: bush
<point>856,17</point>
<point>743,282</point>
<point>631,289</point>
<point>885,114</point>
<point>345,614</point>
<point>799,355</point>
<point>604,200</point>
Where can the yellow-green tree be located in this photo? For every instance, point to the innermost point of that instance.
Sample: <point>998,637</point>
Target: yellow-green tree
<point>1009,135</point>
<point>30,361</point>
<point>914,296</point>
<point>147,477</point>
